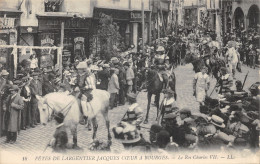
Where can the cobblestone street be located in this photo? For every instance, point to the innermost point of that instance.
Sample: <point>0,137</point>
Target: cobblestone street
<point>34,140</point>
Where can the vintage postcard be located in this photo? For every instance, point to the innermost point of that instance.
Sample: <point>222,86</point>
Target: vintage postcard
<point>129,81</point>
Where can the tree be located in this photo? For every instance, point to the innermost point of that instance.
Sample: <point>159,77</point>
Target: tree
<point>109,37</point>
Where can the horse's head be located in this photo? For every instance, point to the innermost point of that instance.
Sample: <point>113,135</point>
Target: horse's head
<point>43,109</point>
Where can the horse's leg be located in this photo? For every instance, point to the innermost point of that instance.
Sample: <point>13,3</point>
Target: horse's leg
<point>149,96</point>
<point>74,134</point>
<point>157,104</point>
<point>105,115</point>
<point>95,126</point>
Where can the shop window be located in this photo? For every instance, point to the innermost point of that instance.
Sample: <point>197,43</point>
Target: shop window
<point>52,5</point>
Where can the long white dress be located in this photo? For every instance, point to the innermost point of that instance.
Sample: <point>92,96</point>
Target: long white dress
<point>201,86</point>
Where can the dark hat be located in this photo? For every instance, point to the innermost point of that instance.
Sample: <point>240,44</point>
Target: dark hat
<point>252,115</point>
<point>62,85</point>
<point>155,128</point>
<point>14,88</point>
<point>126,64</point>
<point>170,116</point>
<point>223,69</point>
<point>18,82</point>
<point>25,78</point>
<point>59,117</point>
<point>35,74</point>
<point>37,69</point>
<point>168,91</point>
<point>204,109</point>
<point>235,107</point>
<point>185,111</point>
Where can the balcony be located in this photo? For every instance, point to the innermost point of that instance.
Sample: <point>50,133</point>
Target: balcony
<point>53,5</point>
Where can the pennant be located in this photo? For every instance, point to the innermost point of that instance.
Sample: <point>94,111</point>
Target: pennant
<point>23,52</point>
<point>14,53</point>
<point>31,51</point>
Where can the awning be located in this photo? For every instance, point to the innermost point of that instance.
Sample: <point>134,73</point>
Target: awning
<point>62,15</point>
<point>10,12</point>
<point>55,14</point>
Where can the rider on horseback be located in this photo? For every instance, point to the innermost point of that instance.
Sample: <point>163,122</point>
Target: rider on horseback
<point>160,63</point>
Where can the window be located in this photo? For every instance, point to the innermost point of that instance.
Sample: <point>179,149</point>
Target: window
<point>52,5</point>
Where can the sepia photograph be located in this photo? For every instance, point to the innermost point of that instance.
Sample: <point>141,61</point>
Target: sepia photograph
<point>129,81</point>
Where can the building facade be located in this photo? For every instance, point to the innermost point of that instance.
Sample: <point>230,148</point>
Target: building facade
<point>245,14</point>
<point>9,23</point>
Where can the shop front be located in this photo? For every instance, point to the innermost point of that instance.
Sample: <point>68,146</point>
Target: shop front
<point>75,42</point>
<point>9,21</point>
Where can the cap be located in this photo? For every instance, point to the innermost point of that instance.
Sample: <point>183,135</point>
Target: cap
<point>14,88</point>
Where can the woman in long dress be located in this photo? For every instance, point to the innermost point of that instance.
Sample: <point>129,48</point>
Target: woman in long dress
<point>201,85</point>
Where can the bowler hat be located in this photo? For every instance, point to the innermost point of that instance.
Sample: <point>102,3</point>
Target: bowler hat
<point>155,128</point>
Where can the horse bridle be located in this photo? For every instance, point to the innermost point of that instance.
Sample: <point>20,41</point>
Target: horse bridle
<point>67,106</point>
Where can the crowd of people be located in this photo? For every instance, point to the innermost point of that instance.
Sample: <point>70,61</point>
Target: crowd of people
<point>232,120</point>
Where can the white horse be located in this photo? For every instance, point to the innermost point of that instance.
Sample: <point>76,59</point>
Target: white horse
<point>70,106</point>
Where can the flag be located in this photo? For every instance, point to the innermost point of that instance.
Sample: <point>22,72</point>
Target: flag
<point>28,6</point>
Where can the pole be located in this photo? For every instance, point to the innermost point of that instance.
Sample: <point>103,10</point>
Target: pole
<point>245,80</point>
<point>61,45</point>
<point>143,24</point>
<point>158,26</point>
<point>150,28</point>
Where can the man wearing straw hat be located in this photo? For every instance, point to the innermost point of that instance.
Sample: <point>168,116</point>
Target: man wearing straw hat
<point>134,114</point>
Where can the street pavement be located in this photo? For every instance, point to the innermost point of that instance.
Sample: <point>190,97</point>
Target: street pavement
<point>34,140</point>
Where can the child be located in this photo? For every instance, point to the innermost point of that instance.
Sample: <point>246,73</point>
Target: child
<point>169,102</point>
<point>60,137</point>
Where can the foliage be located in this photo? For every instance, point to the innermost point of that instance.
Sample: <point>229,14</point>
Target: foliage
<point>109,37</point>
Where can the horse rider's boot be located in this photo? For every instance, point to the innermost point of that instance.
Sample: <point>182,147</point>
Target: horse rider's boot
<point>89,125</point>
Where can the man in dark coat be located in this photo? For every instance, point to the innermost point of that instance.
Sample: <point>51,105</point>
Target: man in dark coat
<point>14,106</point>
<point>104,77</point>
<point>48,86</point>
<point>36,90</point>
<point>4,83</point>
<point>122,83</point>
